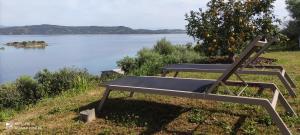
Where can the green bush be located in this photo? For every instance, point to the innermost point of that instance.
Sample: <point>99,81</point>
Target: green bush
<point>9,96</point>
<point>164,47</point>
<point>190,56</point>
<point>45,79</point>
<point>29,89</point>
<point>127,64</point>
<point>65,79</point>
<point>149,68</point>
<point>150,61</point>
<point>145,55</point>
<point>25,90</point>
<point>173,59</point>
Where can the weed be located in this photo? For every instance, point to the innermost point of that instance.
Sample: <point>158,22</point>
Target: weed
<point>197,116</point>
<point>224,126</point>
<point>291,120</point>
<point>56,110</point>
<point>265,119</point>
<point>105,131</point>
<point>128,120</point>
<point>6,114</point>
<point>249,127</point>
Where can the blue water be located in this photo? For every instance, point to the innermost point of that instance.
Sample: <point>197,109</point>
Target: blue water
<point>93,52</point>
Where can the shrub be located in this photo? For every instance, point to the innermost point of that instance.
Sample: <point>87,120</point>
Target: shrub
<point>45,78</point>
<point>150,61</point>
<point>65,79</point>
<point>127,64</point>
<point>190,56</point>
<point>29,89</point>
<point>163,47</point>
<point>173,59</point>
<point>149,68</point>
<point>146,55</point>
<point>9,96</point>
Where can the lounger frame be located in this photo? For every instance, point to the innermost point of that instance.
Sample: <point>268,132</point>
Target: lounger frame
<point>269,105</point>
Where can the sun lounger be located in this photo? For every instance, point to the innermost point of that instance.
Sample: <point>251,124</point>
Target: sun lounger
<point>207,89</point>
<point>247,68</point>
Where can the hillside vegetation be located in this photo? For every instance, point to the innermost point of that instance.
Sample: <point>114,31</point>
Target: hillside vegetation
<point>56,29</point>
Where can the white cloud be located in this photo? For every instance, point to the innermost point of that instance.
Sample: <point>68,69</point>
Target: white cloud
<point>132,13</point>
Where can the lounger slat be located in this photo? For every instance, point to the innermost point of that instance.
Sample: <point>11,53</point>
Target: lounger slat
<point>190,85</point>
<point>198,66</point>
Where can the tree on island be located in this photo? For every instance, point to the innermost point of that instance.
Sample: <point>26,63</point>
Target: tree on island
<point>226,26</point>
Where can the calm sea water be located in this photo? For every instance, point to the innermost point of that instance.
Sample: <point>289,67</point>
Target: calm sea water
<point>93,52</point>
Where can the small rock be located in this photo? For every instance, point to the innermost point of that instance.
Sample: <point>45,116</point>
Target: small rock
<point>88,115</point>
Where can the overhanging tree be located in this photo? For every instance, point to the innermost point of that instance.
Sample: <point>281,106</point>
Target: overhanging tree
<point>226,26</point>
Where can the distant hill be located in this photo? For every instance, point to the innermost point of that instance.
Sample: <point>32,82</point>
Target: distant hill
<point>46,29</point>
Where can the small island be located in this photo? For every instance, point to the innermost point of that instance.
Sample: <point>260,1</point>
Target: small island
<point>28,44</point>
<point>2,48</point>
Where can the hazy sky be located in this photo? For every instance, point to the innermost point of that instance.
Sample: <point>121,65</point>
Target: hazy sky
<point>152,14</point>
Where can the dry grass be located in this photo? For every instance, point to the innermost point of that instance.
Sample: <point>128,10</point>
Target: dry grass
<point>154,114</point>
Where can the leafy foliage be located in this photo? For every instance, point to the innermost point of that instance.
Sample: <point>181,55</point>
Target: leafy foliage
<point>27,90</point>
<point>294,7</point>
<point>293,27</point>
<point>163,47</point>
<point>225,27</point>
<point>127,64</point>
<point>9,96</point>
<point>65,79</point>
<point>150,61</point>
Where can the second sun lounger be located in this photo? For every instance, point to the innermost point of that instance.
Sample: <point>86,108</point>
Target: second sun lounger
<point>247,68</point>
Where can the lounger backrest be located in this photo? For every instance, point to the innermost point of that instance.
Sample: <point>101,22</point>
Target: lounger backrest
<point>262,50</point>
<point>248,51</point>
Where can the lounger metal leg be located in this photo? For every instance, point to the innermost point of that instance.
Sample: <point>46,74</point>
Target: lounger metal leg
<point>103,99</point>
<point>131,94</point>
<point>277,120</point>
<point>176,73</point>
<point>164,73</point>
<point>283,101</point>
<point>260,91</point>
<point>286,105</point>
<point>287,85</point>
<point>288,78</point>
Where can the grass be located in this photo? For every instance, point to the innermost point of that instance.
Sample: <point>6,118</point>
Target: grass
<point>155,114</point>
